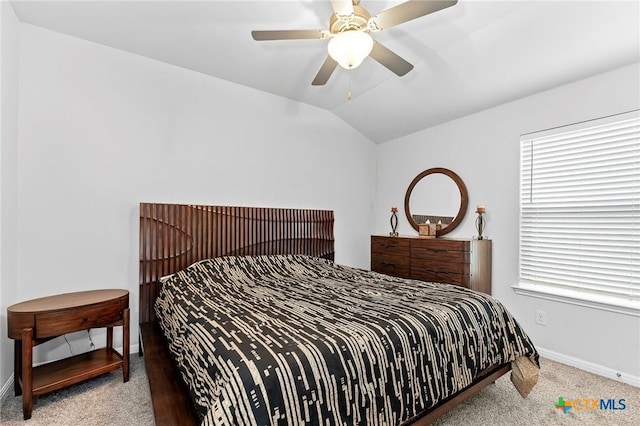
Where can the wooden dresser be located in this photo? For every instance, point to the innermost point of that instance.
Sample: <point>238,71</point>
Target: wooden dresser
<point>462,262</point>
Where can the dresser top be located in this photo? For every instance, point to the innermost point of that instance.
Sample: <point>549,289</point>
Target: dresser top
<point>418,237</point>
<point>67,300</point>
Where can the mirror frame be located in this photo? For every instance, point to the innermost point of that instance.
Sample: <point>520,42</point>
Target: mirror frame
<point>464,199</point>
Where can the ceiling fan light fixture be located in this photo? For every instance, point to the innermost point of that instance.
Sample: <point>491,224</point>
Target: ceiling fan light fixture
<point>349,48</point>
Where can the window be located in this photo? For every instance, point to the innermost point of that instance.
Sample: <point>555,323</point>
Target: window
<point>580,213</point>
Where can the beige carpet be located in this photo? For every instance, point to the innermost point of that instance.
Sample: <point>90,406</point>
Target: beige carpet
<point>501,404</point>
<point>107,401</point>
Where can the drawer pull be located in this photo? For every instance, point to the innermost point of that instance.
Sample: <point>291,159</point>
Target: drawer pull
<point>388,263</point>
<point>437,250</point>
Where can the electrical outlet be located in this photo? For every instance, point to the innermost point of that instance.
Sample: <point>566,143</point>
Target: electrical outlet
<point>541,317</point>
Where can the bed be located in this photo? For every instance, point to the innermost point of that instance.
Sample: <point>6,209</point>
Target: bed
<point>246,319</point>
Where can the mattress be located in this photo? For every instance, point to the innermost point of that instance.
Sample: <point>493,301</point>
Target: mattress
<point>288,339</point>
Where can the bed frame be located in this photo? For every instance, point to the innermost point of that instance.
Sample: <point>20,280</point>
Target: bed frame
<point>173,236</point>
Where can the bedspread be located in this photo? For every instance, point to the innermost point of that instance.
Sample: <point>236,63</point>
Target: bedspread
<point>293,340</point>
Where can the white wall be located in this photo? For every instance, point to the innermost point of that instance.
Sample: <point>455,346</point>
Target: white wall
<point>484,150</point>
<point>102,130</point>
<point>8,178</point>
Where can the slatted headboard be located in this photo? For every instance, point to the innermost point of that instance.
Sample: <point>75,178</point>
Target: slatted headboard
<point>173,236</point>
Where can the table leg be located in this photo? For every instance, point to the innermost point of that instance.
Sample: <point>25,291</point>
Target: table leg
<point>125,345</point>
<point>27,372</point>
<point>17,367</point>
<point>109,337</point>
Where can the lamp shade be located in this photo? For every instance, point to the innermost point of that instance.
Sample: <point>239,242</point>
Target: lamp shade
<point>349,48</point>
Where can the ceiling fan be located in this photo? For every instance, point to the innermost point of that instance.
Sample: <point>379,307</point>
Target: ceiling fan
<point>349,28</point>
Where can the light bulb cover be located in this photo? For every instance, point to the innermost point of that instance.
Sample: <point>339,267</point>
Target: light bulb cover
<point>349,48</point>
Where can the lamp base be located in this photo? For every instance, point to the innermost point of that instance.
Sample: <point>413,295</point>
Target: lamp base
<point>480,225</point>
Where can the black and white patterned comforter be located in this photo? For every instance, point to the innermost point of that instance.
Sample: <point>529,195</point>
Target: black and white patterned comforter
<point>294,340</point>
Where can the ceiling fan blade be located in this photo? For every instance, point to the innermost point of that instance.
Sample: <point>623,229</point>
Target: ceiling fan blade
<point>325,72</point>
<point>289,35</point>
<point>407,11</point>
<point>390,59</point>
<point>342,7</point>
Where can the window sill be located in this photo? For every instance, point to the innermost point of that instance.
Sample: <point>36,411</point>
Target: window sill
<point>590,300</point>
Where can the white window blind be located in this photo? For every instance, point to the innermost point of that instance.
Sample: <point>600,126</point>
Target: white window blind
<point>580,208</point>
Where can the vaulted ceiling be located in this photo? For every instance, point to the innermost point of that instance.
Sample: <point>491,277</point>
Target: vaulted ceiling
<point>468,57</point>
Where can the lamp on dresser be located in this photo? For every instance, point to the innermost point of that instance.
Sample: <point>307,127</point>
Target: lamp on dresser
<point>480,221</point>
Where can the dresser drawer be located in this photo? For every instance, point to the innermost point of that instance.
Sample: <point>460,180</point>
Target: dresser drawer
<point>399,246</point>
<point>439,265</point>
<point>390,259</point>
<point>67,321</point>
<point>451,251</point>
<point>390,264</point>
<point>438,244</point>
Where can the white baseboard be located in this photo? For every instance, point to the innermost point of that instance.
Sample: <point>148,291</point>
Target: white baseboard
<point>6,387</point>
<point>590,367</point>
<point>133,350</point>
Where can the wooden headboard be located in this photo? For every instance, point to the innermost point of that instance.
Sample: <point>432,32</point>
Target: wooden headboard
<point>173,236</point>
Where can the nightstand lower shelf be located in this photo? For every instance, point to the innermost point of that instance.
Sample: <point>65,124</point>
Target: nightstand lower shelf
<point>65,372</point>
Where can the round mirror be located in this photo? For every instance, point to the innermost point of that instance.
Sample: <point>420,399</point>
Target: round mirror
<point>439,196</point>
